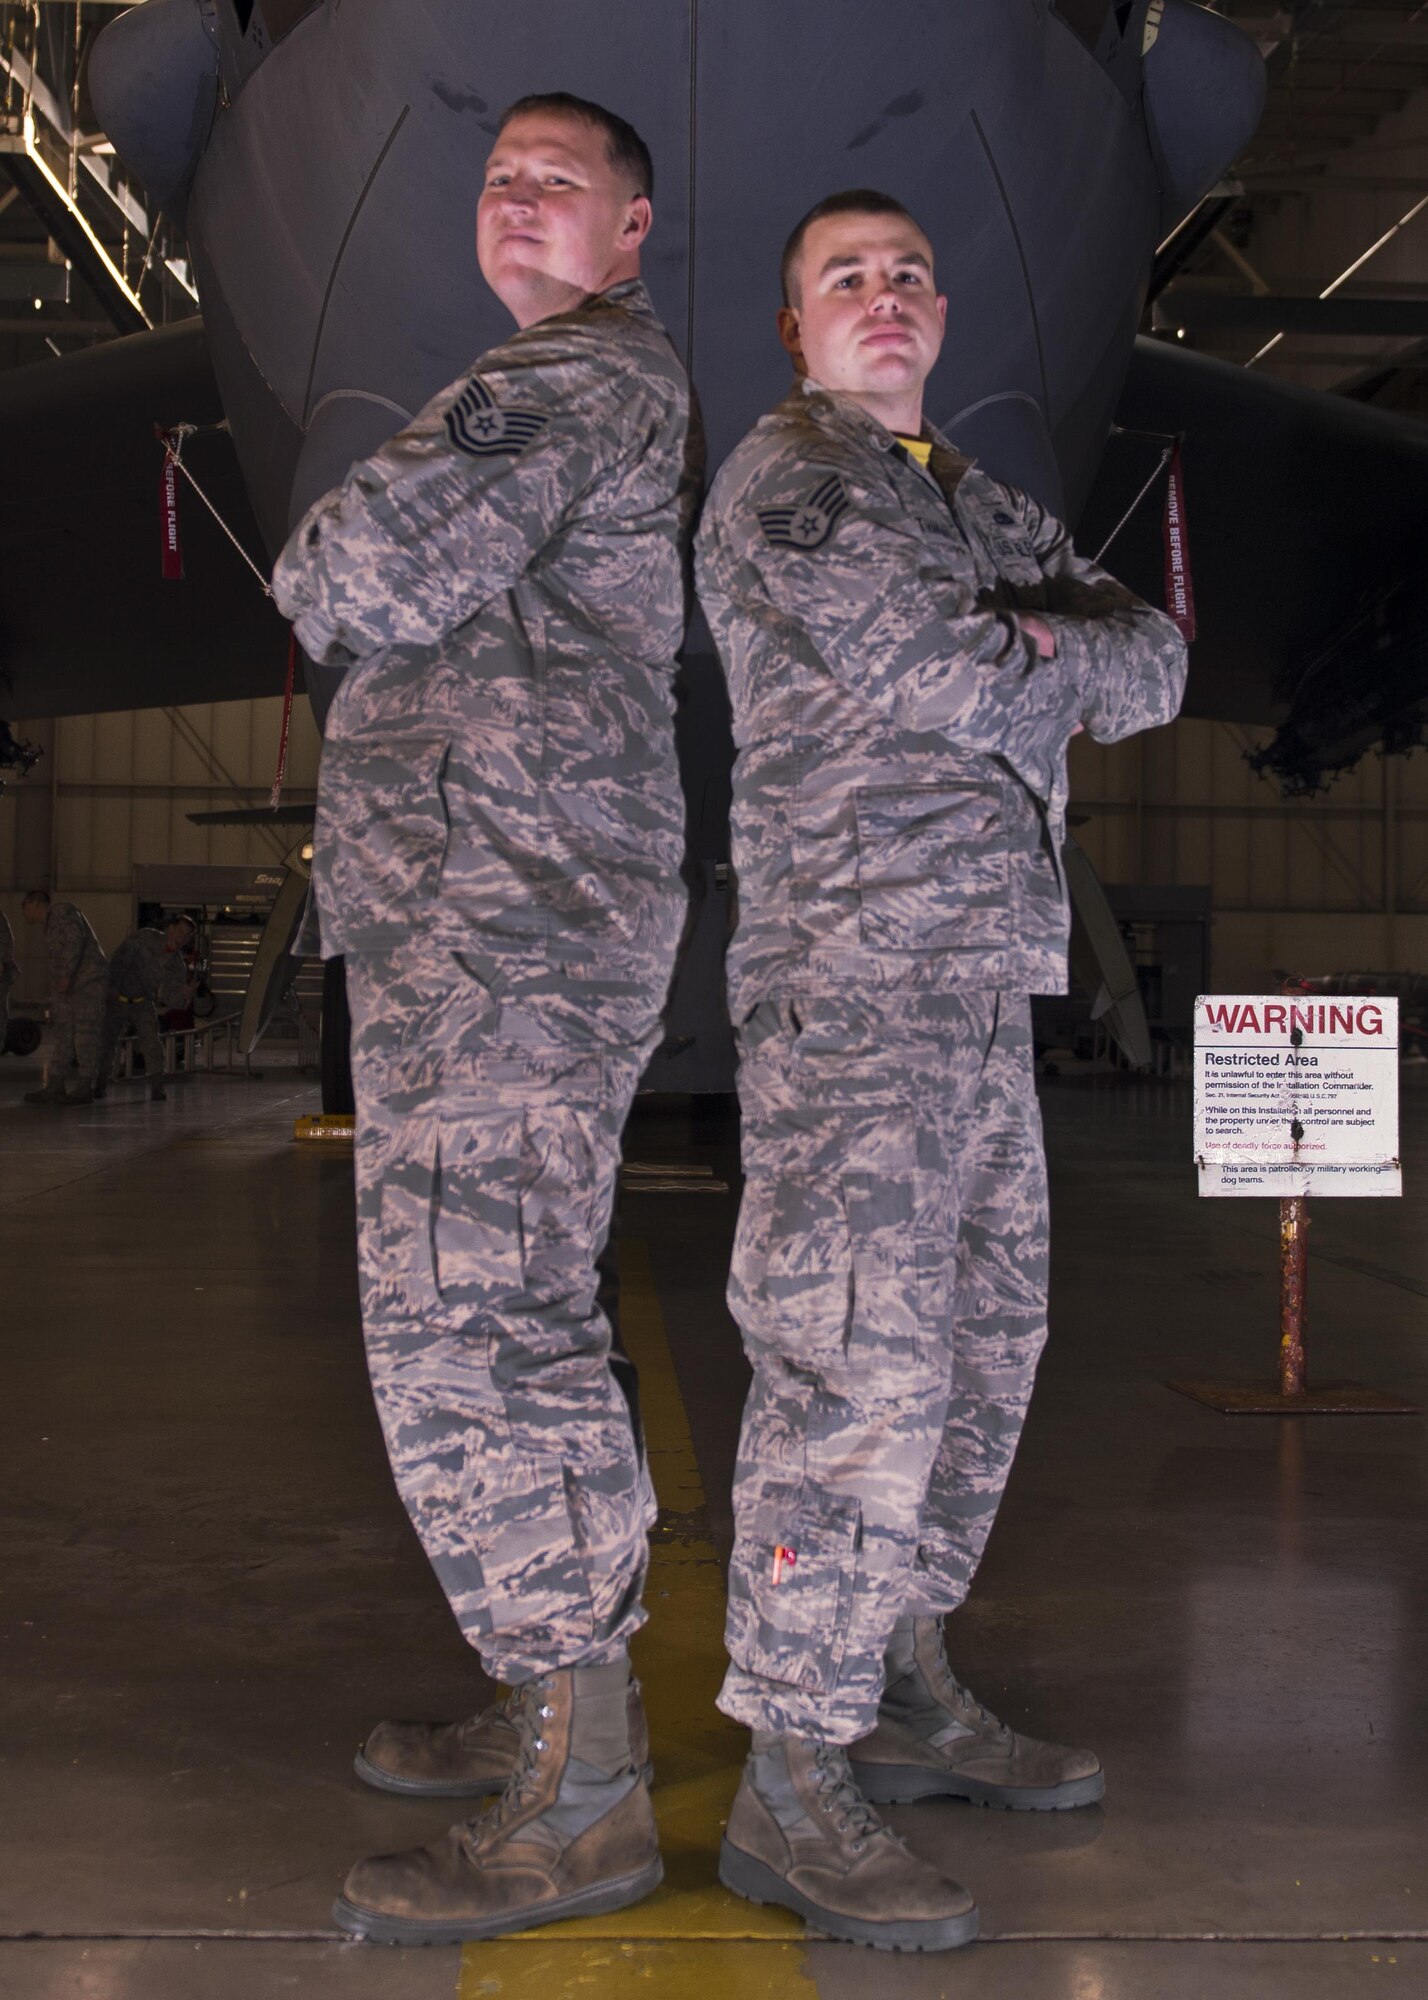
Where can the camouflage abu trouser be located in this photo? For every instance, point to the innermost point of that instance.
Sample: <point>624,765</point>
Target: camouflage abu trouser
<point>142,1015</point>
<point>489,1117</point>
<point>889,1278</point>
<point>78,1018</point>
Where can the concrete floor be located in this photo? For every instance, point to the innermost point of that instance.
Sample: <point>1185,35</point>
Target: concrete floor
<point>208,1590</point>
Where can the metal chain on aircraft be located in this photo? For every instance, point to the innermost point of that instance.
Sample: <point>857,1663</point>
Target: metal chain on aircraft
<point>1167,453</point>
<point>173,441</point>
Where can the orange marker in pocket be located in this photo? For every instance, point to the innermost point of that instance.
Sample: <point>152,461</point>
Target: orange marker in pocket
<point>783,1559</point>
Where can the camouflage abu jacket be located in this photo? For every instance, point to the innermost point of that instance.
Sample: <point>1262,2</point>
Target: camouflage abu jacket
<point>900,787</point>
<point>143,968</point>
<point>71,947</point>
<point>508,579</point>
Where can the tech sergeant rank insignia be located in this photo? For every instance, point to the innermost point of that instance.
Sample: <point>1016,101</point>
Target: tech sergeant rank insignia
<point>808,525</point>
<point>477,425</point>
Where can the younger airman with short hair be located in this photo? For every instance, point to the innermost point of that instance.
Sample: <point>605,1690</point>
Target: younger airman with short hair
<point>909,649</point>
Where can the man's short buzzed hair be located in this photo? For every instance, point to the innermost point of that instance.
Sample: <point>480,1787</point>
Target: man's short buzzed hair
<point>852,201</point>
<point>627,150</point>
<point>37,896</point>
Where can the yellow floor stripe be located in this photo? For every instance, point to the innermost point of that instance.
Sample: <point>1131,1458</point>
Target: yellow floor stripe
<point>545,1966</point>
<point>691,1936</point>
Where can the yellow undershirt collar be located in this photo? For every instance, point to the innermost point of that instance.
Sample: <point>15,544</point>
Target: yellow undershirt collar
<point>918,448</point>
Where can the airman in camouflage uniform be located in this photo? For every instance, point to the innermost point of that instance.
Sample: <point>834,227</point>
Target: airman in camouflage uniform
<point>147,972</point>
<point>77,978</point>
<point>498,842</point>
<point>909,648</point>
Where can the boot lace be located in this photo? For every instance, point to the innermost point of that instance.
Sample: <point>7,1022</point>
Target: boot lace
<point>840,1797</point>
<point>528,1710</point>
<point>965,1704</point>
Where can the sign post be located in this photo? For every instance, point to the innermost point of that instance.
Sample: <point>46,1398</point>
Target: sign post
<point>1296,1096</point>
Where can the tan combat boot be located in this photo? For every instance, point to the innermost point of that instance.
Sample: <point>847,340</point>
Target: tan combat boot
<point>467,1760</point>
<point>801,1834</point>
<point>934,1740</point>
<point>572,1835</point>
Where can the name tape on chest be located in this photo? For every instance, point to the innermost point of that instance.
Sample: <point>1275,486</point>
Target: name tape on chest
<point>477,425</point>
<point>1010,542</point>
<point>809,524</point>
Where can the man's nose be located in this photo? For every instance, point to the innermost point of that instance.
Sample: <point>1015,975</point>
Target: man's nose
<point>887,300</point>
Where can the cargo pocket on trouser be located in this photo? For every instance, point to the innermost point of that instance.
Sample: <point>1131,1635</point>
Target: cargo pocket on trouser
<point>791,1584</point>
<point>473,1221</point>
<point>791,1275</point>
<point>842,1269</point>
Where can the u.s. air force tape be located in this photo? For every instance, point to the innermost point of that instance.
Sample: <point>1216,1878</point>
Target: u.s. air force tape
<point>808,525</point>
<point>477,425</point>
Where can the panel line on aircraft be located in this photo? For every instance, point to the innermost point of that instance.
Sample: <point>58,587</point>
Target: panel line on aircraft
<point>1021,258</point>
<point>337,261</point>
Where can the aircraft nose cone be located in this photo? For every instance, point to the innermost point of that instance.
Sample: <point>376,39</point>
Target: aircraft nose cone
<point>1204,94</point>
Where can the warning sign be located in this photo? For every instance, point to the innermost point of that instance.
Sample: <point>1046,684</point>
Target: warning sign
<point>1296,1096</point>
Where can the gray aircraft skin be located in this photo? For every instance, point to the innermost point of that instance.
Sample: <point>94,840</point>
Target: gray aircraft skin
<point>327,156</point>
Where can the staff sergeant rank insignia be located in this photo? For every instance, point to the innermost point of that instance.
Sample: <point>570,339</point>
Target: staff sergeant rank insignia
<point>808,525</point>
<point>477,424</point>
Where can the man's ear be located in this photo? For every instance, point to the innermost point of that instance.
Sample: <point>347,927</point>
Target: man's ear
<point>791,336</point>
<point>638,217</point>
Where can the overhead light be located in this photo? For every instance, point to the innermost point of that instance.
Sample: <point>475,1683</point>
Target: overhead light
<point>307,851</point>
<point>39,304</point>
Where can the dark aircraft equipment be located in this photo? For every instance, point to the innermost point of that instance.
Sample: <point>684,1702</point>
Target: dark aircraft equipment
<point>158,85</point>
<point>1204,92</point>
<point>1308,520</point>
<point>1367,684</point>
<point>86,621</point>
<point>16,754</point>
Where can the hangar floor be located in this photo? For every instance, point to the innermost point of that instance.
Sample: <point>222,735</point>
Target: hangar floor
<point>209,1591</point>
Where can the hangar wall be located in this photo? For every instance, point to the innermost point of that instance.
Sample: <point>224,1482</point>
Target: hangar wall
<point>1331,884</point>
<point>1336,883</point>
<point>115,790</point>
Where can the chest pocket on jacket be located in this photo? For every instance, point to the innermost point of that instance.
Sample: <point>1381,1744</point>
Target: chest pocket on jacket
<point>933,867</point>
